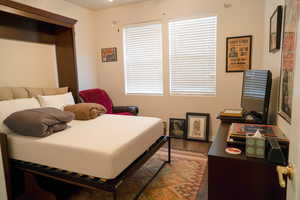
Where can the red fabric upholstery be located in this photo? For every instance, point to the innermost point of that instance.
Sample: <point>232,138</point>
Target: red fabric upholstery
<point>97,96</point>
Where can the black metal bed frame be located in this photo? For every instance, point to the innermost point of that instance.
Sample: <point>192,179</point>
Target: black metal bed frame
<point>111,185</point>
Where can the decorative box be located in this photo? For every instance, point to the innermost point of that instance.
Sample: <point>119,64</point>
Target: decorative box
<point>255,146</point>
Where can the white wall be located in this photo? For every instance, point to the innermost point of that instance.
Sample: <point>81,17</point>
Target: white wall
<point>273,62</point>
<point>27,64</point>
<point>243,18</point>
<point>294,130</point>
<point>85,37</point>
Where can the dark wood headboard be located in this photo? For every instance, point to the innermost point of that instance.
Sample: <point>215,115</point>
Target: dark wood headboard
<point>5,164</point>
<point>25,23</point>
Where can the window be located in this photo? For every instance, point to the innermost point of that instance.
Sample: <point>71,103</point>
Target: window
<point>192,56</point>
<point>143,59</point>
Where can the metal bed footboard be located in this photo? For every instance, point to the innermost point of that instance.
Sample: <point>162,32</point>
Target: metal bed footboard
<point>85,181</point>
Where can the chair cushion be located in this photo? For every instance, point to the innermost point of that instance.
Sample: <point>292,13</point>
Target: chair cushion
<point>134,110</point>
<point>97,96</point>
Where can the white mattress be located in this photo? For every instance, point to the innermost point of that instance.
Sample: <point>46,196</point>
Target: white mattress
<point>102,147</point>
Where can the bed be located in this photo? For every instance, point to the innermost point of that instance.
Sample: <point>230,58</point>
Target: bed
<point>113,141</point>
<point>113,147</point>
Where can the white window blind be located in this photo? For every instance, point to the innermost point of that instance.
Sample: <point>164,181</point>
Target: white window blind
<point>143,59</point>
<point>192,56</point>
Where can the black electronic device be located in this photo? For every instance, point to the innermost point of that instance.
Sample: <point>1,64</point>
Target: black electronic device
<point>256,93</point>
<point>275,154</point>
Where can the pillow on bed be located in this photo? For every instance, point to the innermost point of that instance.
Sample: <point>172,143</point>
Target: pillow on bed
<point>86,111</point>
<point>57,101</point>
<point>55,91</point>
<point>39,122</point>
<point>11,106</point>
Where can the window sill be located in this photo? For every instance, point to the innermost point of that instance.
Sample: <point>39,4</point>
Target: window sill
<point>194,95</point>
<point>143,94</point>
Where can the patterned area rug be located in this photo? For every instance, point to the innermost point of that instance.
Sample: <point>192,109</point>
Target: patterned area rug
<point>184,179</point>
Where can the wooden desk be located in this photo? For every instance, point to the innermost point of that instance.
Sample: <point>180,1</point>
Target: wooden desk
<point>236,177</point>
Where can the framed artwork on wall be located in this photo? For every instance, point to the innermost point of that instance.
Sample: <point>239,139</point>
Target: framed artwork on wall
<point>109,54</point>
<point>275,29</point>
<point>197,126</point>
<point>177,128</point>
<point>289,47</point>
<point>238,53</point>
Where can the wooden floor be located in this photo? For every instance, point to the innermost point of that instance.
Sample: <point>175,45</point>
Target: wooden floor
<point>187,145</point>
<point>194,146</point>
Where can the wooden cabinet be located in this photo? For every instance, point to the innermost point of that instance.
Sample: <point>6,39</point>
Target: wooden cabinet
<point>236,177</point>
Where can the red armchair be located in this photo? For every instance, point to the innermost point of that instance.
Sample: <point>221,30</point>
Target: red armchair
<point>101,97</point>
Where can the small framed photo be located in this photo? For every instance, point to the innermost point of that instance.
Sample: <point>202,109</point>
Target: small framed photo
<point>197,126</point>
<point>177,128</point>
<point>238,53</point>
<point>275,29</point>
<point>109,54</point>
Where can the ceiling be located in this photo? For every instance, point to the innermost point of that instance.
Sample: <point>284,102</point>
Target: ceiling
<point>100,4</point>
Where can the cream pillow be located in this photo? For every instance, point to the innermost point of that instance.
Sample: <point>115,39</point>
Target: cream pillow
<point>57,101</point>
<point>9,107</point>
<point>55,91</point>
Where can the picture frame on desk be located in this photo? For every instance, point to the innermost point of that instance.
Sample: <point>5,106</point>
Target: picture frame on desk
<point>177,128</point>
<point>197,126</point>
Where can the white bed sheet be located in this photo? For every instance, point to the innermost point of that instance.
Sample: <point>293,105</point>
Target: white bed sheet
<point>102,147</point>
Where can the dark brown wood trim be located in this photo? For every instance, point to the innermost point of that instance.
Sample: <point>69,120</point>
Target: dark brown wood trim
<point>66,61</point>
<point>5,161</point>
<point>35,13</point>
<point>227,171</point>
<point>25,23</point>
<point>14,27</point>
<point>33,191</point>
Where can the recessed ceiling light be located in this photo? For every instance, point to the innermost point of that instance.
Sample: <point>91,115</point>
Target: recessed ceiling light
<point>110,0</point>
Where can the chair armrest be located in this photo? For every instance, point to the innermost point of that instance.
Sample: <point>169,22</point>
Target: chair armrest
<point>132,109</point>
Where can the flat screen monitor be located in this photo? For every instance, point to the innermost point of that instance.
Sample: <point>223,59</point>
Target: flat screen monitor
<point>256,92</point>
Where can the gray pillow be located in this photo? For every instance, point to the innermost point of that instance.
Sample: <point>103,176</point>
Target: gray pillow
<point>40,122</point>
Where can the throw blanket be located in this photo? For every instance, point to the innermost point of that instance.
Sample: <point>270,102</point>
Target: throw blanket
<point>40,122</point>
<point>86,111</point>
